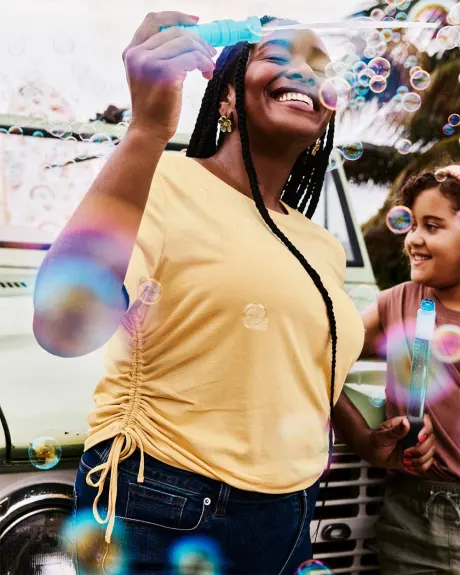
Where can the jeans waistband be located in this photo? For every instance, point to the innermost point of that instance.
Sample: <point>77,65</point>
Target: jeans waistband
<point>420,487</point>
<point>157,471</point>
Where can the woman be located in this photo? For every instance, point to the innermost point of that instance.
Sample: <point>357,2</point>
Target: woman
<point>418,529</point>
<point>213,418</point>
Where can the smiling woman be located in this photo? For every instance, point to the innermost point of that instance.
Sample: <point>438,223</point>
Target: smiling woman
<point>246,334</point>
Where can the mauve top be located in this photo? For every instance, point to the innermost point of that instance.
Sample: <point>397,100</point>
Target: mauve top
<point>398,308</point>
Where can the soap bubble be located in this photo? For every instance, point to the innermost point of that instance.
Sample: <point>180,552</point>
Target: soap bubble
<point>446,343</point>
<point>448,37</point>
<point>87,536</point>
<point>454,119</point>
<point>197,555</point>
<point>411,102</point>
<point>402,90</point>
<point>358,67</point>
<point>402,4</point>
<point>411,61</point>
<point>390,10</point>
<point>448,129</point>
<point>335,93</point>
<point>352,150</point>
<point>61,130</point>
<point>454,15</point>
<point>401,17</point>
<point>255,317</point>
<point>360,101</point>
<point>16,130</point>
<point>414,69</point>
<point>399,219</point>
<point>377,398</point>
<point>396,102</point>
<point>377,14</point>
<point>420,80</point>
<point>45,452</point>
<point>403,146</point>
<point>150,292</point>
<point>378,84</point>
<point>441,175</point>
<point>361,90</point>
<point>313,567</point>
<point>381,66</point>
<point>365,77</point>
<point>363,296</point>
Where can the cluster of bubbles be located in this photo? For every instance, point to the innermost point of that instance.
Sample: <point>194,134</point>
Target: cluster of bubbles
<point>45,452</point>
<point>196,555</point>
<point>452,122</point>
<point>255,317</point>
<point>88,538</point>
<point>313,567</point>
<point>446,343</point>
<point>399,219</point>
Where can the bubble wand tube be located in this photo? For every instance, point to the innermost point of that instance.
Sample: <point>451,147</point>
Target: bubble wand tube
<point>424,330</point>
<point>229,32</point>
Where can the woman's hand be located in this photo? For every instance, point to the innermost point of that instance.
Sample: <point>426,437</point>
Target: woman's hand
<point>156,66</point>
<point>386,450</point>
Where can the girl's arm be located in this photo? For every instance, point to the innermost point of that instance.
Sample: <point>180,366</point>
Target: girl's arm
<point>374,331</point>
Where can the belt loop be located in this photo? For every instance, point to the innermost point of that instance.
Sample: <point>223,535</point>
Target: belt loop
<point>222,500</point>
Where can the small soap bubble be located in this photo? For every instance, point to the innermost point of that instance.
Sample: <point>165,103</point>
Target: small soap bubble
<point>363,296</point>
<point>390,10</point>
<point>454,119</point>
<point>358,67</point>
<point>399,219</point>
<point>403,146</point>
<point>61,130</point>
<point>396,103</point>
<point>411,102</point>
<point>402,90</point>
<point>378,84</point>
<point>313,567</point>
<point>441,175</point>
<point>454,15</point>
<point>150,292</point>
<point>448,37</point>
<point>38,134</point>
<point>360,101</point>
<point>361,90</point>
<point>351,78</point>
<point>420,80</point>
<point>335,93</point>
<point>446,343</point>
<point>45,452</point>
<point>352,150</point>
<point>88,538</point>
<point>381,66</point>
<point>402,4</point>
<point>198,555</point>
<point>16,130</point>
<point>87,131</point>
<point>448,129</point>
<point>377,14</point>
<point>401,17</point>
<point>377,399</point>
<point>255,317</point>
<point>365,77</point>
<point>332,163</point>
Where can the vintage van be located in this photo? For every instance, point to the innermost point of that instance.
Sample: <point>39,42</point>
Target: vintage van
<point>42,395</point>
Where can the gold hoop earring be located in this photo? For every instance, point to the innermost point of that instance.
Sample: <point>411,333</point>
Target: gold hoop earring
<point>317,147</point>
<point>225,124</point>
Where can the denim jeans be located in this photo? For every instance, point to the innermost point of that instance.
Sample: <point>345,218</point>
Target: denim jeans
<point>251,533</point>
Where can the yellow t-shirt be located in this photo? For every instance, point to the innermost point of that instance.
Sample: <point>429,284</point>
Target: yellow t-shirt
<point>228,374</point>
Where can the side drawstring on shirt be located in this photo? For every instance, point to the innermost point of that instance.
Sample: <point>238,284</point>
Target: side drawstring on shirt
<point>124,445</point>
<point>448,496</point>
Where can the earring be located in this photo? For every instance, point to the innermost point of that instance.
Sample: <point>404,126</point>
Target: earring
<point>316,148</point>
<point>225,124</point>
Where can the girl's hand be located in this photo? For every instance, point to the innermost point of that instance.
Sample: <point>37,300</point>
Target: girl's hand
<point>386,450</point>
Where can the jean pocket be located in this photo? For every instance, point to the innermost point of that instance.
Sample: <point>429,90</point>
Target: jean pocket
<point>160,506</point>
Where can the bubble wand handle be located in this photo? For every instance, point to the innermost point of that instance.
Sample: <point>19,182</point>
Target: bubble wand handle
<point>227,32</point>
<point>421,357</point>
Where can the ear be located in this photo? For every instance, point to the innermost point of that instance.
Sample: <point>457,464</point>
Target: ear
<point>227,105</point>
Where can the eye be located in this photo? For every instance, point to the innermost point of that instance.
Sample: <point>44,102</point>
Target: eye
<point>278,59</point>
<point>431,227</point>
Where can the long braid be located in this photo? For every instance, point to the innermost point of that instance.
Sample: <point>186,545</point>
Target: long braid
<point>302,188</point>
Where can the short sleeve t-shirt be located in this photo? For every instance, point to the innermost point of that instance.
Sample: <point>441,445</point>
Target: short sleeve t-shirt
<point>398,309</point>
<point>227,374</point>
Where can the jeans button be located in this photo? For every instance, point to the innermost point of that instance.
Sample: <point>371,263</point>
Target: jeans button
<point>207,501</point>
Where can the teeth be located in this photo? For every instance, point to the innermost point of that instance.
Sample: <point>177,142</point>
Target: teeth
<point>421,258</point>
<point>293,96</point>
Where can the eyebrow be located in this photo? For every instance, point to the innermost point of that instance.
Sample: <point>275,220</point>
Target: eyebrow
<point>433,218</point>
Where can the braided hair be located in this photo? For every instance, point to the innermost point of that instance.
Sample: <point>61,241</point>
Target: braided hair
<point>303,186</point>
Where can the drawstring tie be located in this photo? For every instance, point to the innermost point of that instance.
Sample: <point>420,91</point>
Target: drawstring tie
<point>448,496</point>
<point>124,446</point>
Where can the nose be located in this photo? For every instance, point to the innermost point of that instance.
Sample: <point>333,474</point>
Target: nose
<point>414,238</point>
<point>300,71</point>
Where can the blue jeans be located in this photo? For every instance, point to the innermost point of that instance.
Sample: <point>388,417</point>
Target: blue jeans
<point>249,533</point>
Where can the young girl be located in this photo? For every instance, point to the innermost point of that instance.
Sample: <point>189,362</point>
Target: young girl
<point>418,529</point>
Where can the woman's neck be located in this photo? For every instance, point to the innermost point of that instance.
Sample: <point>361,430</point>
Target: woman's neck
<point>449,297</point>
<point>272,172</point>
